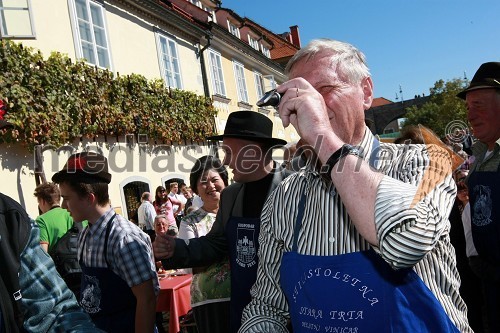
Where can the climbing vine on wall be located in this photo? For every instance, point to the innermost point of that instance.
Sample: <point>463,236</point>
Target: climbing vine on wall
<point>57,100</point>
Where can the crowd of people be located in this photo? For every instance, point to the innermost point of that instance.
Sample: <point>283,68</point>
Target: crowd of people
<point>350,230</point>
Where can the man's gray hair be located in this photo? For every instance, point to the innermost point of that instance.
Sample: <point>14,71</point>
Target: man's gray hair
<point>345,58</point>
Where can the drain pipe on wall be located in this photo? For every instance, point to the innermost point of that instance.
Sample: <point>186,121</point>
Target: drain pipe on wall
<point>204,75</point>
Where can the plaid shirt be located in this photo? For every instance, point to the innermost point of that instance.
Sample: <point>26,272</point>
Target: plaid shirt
<point>47,303</point>
<point>130,253</point>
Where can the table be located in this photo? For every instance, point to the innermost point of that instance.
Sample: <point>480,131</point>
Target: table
<point>175,296</point>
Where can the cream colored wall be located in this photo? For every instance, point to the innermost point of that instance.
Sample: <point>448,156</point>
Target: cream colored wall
<point>132,52</point>
<point>136,51</point>
<point>289,134</point>
<point>127,163</point>
<point>52,27</point>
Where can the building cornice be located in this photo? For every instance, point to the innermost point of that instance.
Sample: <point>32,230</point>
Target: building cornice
<point>164,13</point>
<point>227,40</point>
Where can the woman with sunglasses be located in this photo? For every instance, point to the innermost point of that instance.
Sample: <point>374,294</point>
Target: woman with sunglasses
<point>164,206</point>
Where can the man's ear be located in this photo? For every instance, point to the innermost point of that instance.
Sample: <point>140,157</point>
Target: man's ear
<point>367,86</point>
<point>91,199</point>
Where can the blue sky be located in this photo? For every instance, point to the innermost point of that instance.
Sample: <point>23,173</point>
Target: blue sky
<point>412,43</point>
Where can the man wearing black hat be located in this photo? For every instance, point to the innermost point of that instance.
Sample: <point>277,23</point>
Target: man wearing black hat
<point>119,281</point>
<point>33,297</point>
<point>483,105</point>
<point>247,144</point>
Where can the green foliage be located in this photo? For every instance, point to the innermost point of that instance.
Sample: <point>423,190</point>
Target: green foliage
<point>56,101</point>
<point>443,109</point>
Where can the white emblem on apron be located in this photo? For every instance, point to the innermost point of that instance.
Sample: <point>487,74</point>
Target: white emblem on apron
<point>482,206</point>
<point>245,247</point>
<point>91,295</point>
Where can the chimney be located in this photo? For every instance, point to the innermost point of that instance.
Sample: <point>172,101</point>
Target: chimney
<point>294,30</point>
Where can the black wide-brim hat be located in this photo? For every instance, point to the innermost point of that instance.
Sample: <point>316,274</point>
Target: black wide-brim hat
<point>486,77</point>
<point>84,167</point>
<point>249,125</point>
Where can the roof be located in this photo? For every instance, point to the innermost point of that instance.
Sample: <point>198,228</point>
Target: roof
<point>378,101</point>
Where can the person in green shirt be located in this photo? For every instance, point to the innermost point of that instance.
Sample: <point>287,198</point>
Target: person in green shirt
<point>54,221</point>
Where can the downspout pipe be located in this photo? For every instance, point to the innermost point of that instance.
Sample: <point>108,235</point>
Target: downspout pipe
<point>204,75</point>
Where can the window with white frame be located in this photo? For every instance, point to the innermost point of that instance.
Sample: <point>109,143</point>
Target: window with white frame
<point>272,82</point>
<point>259,84</point>
<point>16,19</point>
<point>169,61</point>
<point>91,38</point>
<point>212,16</point>
<point>253,42</point>
<point>217,75</point>
<point>239,73</point>
<point>233,29</point>
<point>266,51</point>
<point>196,2</point>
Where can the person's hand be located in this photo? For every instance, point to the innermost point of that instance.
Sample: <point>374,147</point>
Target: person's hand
<point>303,106</point>
<point>164,246</point>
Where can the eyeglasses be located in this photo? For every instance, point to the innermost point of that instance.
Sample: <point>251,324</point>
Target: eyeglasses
<point>162,191</point>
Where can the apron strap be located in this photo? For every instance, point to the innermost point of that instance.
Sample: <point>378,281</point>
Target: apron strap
<point>108,230</point>
<point>298,221</point>
<point>375,150</point>
<point>302,202</point>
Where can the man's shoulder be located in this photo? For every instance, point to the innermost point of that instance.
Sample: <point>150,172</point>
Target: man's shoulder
<point>55,213</point>
<point>124,228</point>
<point>14,220</point>
<point>234,187</point>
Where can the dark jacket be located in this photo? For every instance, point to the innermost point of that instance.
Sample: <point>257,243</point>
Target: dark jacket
<point>211,248</point>
<point>15,227</point>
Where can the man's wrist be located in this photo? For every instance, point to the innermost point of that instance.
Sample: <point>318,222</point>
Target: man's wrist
<point>336,156</point>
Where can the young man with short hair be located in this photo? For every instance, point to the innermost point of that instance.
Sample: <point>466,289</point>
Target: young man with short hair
<point>119,282</point>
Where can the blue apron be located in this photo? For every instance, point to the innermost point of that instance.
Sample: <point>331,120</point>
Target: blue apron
<point>484,200</point>
<point>106,297</point>
<point>242,234</point>
<point>356,292</point>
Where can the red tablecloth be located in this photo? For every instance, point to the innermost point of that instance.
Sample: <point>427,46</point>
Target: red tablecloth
<point>175,296</point>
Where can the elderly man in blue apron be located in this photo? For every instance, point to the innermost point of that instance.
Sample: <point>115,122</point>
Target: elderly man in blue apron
<point>362,243</point>
<point>483,105</point>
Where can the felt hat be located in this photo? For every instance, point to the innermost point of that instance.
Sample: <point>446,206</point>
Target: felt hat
<point>486,77</point>
<point>85,167</point>
<point>249,125</point>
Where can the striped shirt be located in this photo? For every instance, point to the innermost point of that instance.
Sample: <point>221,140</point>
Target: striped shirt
<point>129,252</point>
<point>411,233</point>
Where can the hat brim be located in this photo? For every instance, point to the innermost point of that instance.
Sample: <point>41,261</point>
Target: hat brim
<point>81,177</point>
<point>463,93</point>
<point>272,141</point>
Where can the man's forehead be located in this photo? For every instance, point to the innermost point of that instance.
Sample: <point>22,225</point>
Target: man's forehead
<point>228,141</point>
<point>480,93</point>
